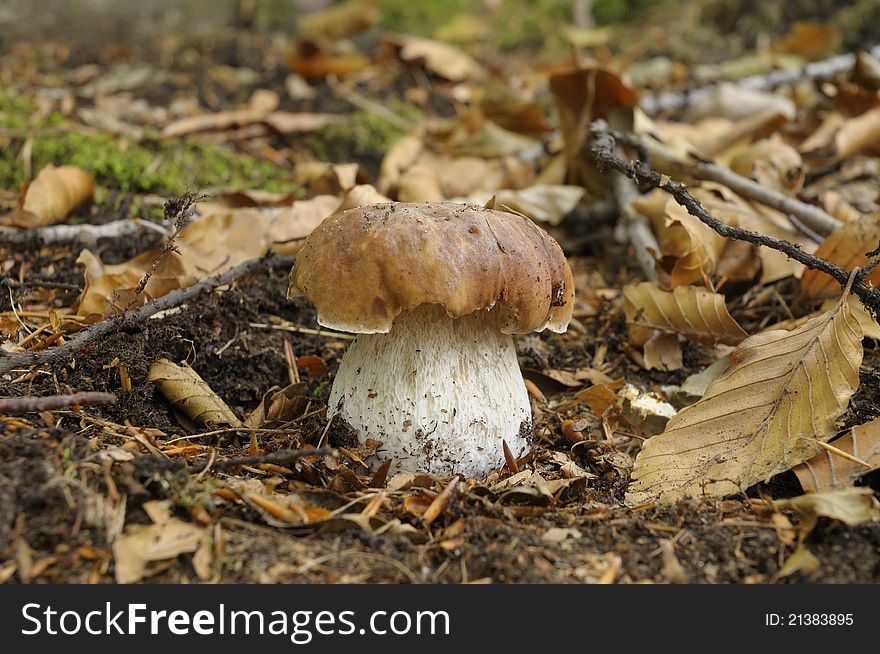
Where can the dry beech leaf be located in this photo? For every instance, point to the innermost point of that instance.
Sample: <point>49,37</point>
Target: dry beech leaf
<point>108,289</point>
<point>361,196</point>
<point>801,560</point>
<point>278,405</point>
<point>340,20</point>
<point>663,352</point>
<point>399,157</point>
<point>856,135</point>
<point>782,392</point>
<point>829,470</point>
<point>441,58</point>
<point>260,109</point>
<point>693,248</point>
<point>207,246</point>
<point>141,545</point>
<point>51,196</point>
<point>543,203</point>
<point>771,163</point>
<point>419,184</point>
<point>870,328</point>
<point>695,313</point>
<point>852,506</point>
<point>846,247</point>
<point>190,394</point>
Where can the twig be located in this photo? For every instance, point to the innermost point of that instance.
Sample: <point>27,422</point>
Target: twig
<point>178,211</point>
<point>601,148</point>
<point>53,402</point>
<point>819,70</point>
<point>279,457</point>
<point>133,318</point>
<point>366,104</point>
<point>637,227</point>
<point>86,235</point>
<point>814,218</point>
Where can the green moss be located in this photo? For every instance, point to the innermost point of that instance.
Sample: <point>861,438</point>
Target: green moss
<point>167,166</point>
<point>362,137</point>
<point>422,18</point>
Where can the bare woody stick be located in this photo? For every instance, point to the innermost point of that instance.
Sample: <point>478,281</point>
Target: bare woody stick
<point>819,70</point>
<point>53,402</point>
<point>815,218</point>
<point>601,149</point>
<point>136,316</point>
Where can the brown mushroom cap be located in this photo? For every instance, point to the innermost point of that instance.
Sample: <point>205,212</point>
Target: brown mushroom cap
<point>362,267</point>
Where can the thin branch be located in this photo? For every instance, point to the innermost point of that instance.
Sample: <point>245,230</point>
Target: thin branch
<point>814,218</point>
<point>601,148</point>
<point>177,211</point>
<point>53,402</point>
<point>86,235</point>
<point>819,70</point>
<point>133,318</point>
<point>279,457</point>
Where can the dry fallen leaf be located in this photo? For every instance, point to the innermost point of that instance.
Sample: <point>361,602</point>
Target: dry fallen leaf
<point>278,405</point>
<point>141,545</point>
<point>846,247</point>
<point>695,313</point>
<point>852,506</point>
<point>51,196</point>
<point>782,392</point>
<point>190,394</point>
<point>341,20</point>
<point>543,203</point>
<point>663,352</point>
<point>773,164</point>
<point>830,470</point>
<point>260,109</point>
<point>440,58</point>
<point>692,248</point>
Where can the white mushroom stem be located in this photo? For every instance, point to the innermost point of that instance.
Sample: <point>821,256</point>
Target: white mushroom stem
<point>441,394</point>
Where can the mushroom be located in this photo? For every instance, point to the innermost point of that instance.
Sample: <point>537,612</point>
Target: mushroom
<point>434,292</point>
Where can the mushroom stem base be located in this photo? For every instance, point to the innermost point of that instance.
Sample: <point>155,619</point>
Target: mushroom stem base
<point>441,394</point>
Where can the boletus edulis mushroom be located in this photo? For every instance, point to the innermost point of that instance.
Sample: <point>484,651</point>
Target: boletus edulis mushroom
<point>434,292</point>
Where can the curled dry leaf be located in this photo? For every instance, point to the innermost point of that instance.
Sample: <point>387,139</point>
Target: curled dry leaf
<point>51,196</point>
<point>852,506</point>
<point>663,352</point>
<point>278,405</point>
<point>440,58</point>
<point>771,163</point>
<point>190,394</point>
<point>829,470</point>
<point>584,94</point>
<point>782,392</point>
<point>111,288</point>
<point>543,203</point>
<point>361,196</point>
<point>692,248</point>
<point>695,313</point>
<point>847,247</point>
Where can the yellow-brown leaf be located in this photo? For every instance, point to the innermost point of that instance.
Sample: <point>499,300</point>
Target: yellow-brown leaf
<point>781,394</point>
<point>691,311</point>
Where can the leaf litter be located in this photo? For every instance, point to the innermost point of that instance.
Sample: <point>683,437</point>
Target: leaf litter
<point>244,374</point>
